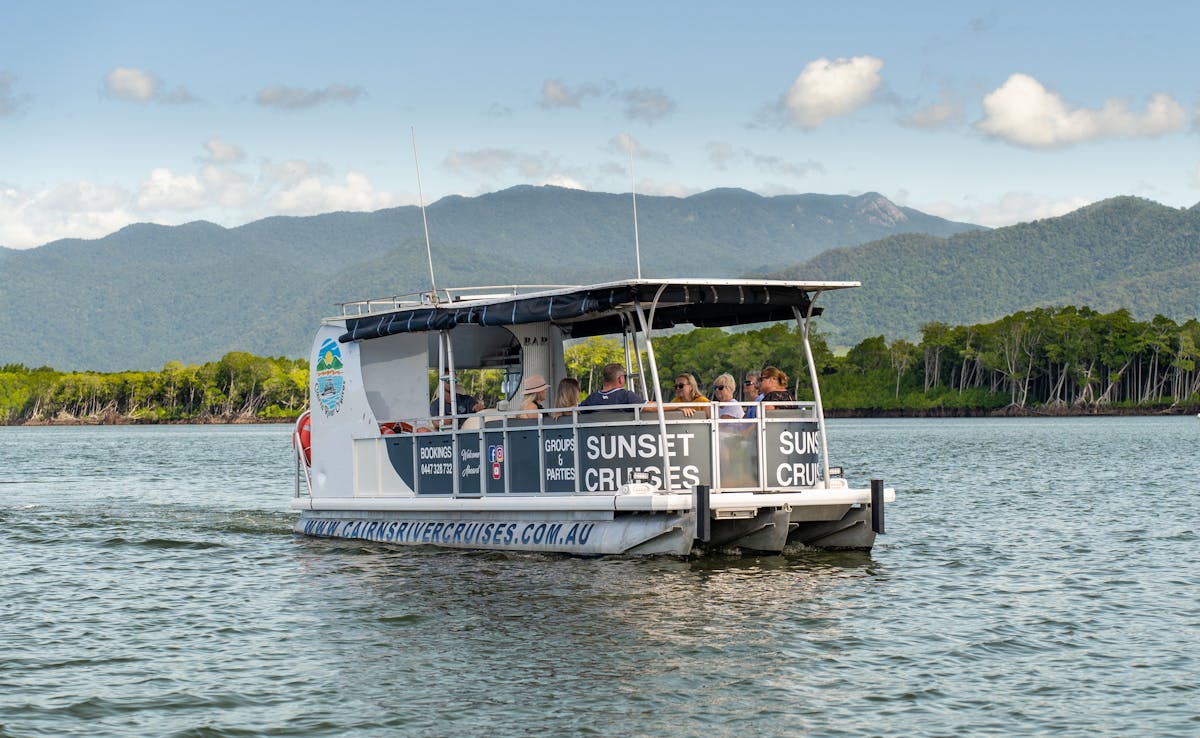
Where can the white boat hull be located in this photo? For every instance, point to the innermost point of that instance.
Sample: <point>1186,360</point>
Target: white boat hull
<point>628,533</point>
<point>656,524</point>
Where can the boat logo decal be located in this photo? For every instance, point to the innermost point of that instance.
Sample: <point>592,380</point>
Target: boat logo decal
<point>496,457</point>
<point>331,383</point>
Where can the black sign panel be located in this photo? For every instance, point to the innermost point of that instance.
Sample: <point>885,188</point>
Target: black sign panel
<point>558,459</point>
<point>612,455</point>
<point>522,461</point>
<point>435,464</point>
<point>470,466</point>
<point>791,450</point>
<point>400,453</point>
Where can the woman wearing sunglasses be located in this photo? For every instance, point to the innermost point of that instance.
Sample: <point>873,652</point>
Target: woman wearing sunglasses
<point>686,391</point>
<point>723,393</point>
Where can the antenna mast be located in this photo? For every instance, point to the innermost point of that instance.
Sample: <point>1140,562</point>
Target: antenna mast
<point>425,222</point>
<point>637,248</point>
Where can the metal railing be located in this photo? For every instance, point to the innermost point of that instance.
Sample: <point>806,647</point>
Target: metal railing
<point>601,450</point>
<point>427,298</point>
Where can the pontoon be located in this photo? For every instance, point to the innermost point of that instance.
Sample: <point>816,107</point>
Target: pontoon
<point>372,464</point>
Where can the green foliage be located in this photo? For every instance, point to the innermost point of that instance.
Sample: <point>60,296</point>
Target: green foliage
<point>1042,358</point>
<point>1124,252</point>
<point>706,353</point>
<point>239,385</point>
<point>586,359</point>
<point>1045,358</point>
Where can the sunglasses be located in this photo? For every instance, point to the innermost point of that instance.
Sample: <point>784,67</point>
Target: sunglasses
<point>722,387</point>
<point>749,383</point>
<point>680,386</point>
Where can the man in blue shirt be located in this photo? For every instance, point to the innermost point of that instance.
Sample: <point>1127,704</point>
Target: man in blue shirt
<point>750,393</point>
<point>614,391</point>
<point>456,404</point>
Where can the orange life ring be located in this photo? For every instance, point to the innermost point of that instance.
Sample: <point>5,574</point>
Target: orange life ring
<point>304,434</point>
<point>385,429</point>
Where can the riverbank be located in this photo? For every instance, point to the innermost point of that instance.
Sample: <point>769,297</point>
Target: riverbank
<point>1015,412</point>
<point>1008,412</point>
<point>67,420</point>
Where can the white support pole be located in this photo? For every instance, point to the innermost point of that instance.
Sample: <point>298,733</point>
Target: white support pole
<point>633,356</point>
<point>802,321</point>
<point>658,401</point>
<point>454,485</point>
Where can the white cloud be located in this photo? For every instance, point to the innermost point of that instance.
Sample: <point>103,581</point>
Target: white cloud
<point>71,210</point>
<point>217,189</point>
<point>283,97</point>
<point>625,144</point>
<point>639,103</point>
<point>827,89</point>
<point>665,189</point>
<point>290,172</point>
<point>10,102</point>
<point>310,196</point>
<point>559,180</point>
<point>496,110</point>
<point>223,152</point>
<point>1023,112</point>
<point>138,85</point>
<point>495,162</point>
<point>647,104</point>
<point>779,165</point>
<point>129,83</point>
<point>1009,208</point>
<point>226,187</point>
<point>947,112</point>
<point>720,154</point>
<point>723,155</point>
<point>555,94</point>
<point>167,191</point>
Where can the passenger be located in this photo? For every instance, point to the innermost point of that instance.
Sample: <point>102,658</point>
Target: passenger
<point>534,390</point>
<point>723,393</point>
<point>614,391</point>
<point>773,384</point>
<point>750,393</point>
<point>567,396</point>
<point>458,404</point>
<point>687,391</point>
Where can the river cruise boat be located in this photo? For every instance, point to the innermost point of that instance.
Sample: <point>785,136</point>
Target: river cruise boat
<point>375,461</point>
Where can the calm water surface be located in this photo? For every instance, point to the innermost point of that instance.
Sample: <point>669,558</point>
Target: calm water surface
<point>1039,577</point>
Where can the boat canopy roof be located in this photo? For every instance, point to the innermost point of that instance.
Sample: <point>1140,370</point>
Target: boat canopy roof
<point>601,309</point>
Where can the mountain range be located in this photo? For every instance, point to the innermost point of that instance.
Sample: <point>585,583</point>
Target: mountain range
<point>1124,252</point>
<point>149,294</point>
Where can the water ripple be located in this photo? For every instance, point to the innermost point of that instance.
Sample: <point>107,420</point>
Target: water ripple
<point>153,587</point>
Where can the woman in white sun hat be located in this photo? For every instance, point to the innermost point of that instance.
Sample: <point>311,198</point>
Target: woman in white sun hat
<point>533,390</point>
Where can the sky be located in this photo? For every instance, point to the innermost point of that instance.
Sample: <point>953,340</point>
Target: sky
<point>113,113</point>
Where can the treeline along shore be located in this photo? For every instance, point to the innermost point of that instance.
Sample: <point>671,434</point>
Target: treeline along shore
<point>1049,361</point>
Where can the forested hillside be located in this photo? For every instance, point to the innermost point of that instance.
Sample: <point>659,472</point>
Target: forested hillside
<point>1060,360</point>
<point>149,294</point>
<point>1124,252</point>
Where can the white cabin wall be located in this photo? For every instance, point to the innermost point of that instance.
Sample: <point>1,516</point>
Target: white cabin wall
<point>394,376</point>
<point>335,426</point>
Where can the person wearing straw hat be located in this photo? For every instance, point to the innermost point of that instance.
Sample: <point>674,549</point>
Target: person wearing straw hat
<point>533,390</point>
